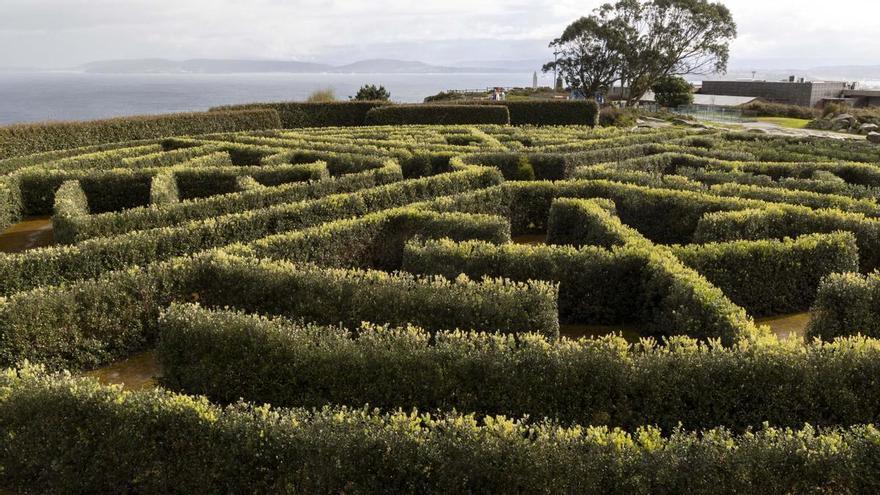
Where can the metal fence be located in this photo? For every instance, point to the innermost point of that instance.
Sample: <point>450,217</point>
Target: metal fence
<point>714,113</point>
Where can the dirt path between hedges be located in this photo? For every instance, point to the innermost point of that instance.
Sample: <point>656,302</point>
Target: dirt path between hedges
<point>30,233</point>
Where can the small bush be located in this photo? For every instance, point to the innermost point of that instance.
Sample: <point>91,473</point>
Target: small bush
<point>163,189</point>
<point>322,96</point>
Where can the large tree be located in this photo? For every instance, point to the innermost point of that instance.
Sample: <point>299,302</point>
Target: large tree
<point>649,40</point>
<point>588,56</point>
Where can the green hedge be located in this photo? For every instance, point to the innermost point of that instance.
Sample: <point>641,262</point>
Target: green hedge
<point>330,295</point>
<point>303,114</point>
<point>635,284</point>
<point>663,215</point>
<point>24,139</point>
<point>86,323</point>
<point>228,355</point>
<point>779,221</point>
<point>250,197</point>
<point>163,189</point>
<point>772,277</point>
<point>580,222</point>
<point>804,198</point>
<point>376,240</point>
<point>70,203</point>
<point>54,265</point>
<point>549,112</point>
<point>846,304</point>
<point>543,166</point>
<point>10,210</point>
<point>437,115</point>
<point>98,439</point>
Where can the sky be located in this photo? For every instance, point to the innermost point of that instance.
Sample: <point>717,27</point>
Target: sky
<point>66,33</point>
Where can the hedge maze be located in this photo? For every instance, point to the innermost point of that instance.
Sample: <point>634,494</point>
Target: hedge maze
<point>425,309</point>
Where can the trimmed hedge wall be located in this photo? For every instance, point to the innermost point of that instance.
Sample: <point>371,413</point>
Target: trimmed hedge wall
<point>86,323</point>
<point>772,277</point>
<point>548,112</point>
<point>70,203</point>
<point>228,355</point>
<point>348,297</point>
<point>580,222</point>
<point>254,196</point>
<point>377,240</point>
<point>437,115</point>
<point>303,114</point>
<point>24,139</point>
<point>633,284</point>
<point>54,265</point>
<point>98,439</point>
<point>779,221</point>
<point>846,304</point>
<point>867,207</point>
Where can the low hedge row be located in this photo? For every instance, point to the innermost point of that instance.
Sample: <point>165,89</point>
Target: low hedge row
<point>204,182</point>
<point>580,222</point>
<point>303,114</point>
<point>437,115</point>
<point>665,216</point>
<point>637,177</point>
<point>548,112</point>
<point>515,166</point>
<point>772,277</point>
<point>86,323</point>
<point>75,155</point>
<point>54,265</point>
<point>634,284</point>
<point>846,304</point>
<point>252,196</point>
<point>376,240</point>
<point>228,355</point>
<point>99,439</point>
<point>867,207</point>
<point>24,139</point>
<point>778,221</point>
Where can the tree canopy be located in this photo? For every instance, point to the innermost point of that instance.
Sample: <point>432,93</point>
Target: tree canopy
<point>369,92</point>
<point>672,91</point>
<point>638,42</point>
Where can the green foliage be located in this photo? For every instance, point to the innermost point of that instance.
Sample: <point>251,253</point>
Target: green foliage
<point>438,115</point>
<point>765,109</point>
<point>633,284</point>
<point>602,381</point>
<point>846,304</point>
<point>547,112</point>
<point>618,117</point>
<point>303,114</point>
<point>369,92</point>
<point>772,277</point>
<point>672,91</point>
<point>580,222</point>
<point>327,95</point>
<point>163,189</point>
<point>23,139</point>
<point>98,439</point>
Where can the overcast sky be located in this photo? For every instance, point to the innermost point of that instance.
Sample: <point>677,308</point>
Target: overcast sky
<point>59,33</point>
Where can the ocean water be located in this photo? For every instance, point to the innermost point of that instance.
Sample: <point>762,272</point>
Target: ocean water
<point>42,96</point>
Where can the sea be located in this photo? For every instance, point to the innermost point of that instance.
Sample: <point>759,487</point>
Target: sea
<point>53,96</point>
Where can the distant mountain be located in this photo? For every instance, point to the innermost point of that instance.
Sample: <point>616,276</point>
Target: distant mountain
<point>223,66</point>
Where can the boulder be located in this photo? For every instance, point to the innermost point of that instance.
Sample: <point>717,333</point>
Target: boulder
<point>868,128</point>
<point>874,137</point>
<point>821,124</point>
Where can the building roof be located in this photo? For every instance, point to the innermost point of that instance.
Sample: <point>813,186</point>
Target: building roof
<point>711,100</point>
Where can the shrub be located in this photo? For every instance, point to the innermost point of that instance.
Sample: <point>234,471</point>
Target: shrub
<point>618,117</point>
<point>764,109</point>
<point>327,95</point>
<point>772,277</point>
<point>24,139</point>
<point>369,92</point>
<point>673,91</point>
<point>602,381</point>
<point>98,439</point>
<point>805,198</point>
<point>302,114</point>
<point>437,114</point>
<point>846,304</point>
<point>70,204</point>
